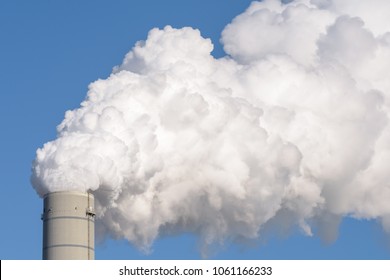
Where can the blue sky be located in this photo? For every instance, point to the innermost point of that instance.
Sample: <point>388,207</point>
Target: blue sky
<point>49,52</point>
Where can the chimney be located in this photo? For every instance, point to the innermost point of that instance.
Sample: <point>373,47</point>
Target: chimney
<point>68,226</point>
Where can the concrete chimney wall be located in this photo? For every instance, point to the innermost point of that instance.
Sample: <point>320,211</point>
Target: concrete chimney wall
<point>68,226</point>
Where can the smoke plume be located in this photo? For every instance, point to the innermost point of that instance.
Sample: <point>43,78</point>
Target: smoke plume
<point>290,128</point>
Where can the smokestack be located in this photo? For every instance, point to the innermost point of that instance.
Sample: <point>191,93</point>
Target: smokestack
<point>68,226</point>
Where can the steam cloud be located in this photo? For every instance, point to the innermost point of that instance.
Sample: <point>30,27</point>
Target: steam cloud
<point>292,125</point>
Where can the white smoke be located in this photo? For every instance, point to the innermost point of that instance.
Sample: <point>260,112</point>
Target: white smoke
<point>290,127</point>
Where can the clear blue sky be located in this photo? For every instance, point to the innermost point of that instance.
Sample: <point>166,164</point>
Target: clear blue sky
<point>49,52</point>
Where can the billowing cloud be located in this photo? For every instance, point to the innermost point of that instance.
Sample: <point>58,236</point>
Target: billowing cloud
<point>293,122</point>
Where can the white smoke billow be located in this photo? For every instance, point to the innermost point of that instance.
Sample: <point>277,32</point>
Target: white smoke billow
<point>292,125</point>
